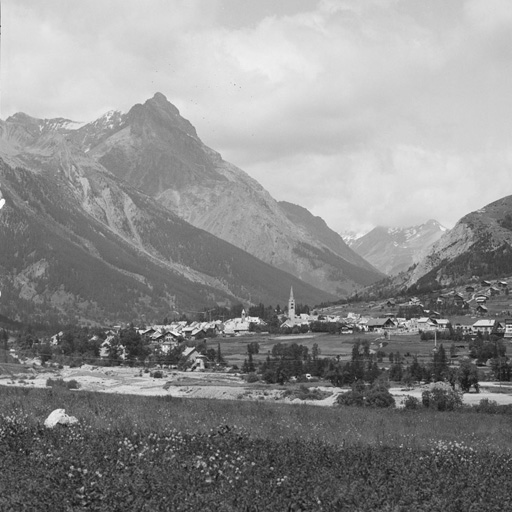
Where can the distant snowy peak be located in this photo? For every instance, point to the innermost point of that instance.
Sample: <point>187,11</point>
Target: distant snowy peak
<point>392,249</point>
<point>109,121</point>
<point>408,235</point>
<point>39,126</point>
<point>349,237</point>
<point>93,133</point>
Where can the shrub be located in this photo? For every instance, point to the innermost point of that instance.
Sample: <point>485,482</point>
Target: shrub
<point>61,383</point>
<point>379,398</point>
<point>73,384</point>
<point>252,377</point>
<point>441,397</point>
<point>157,374</point>
<point>411,402</point>
<point>351,397</point>
<point>488,406</point>
<point>305,393</point>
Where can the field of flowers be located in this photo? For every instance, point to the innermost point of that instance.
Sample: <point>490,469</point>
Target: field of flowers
<point>130,453</point>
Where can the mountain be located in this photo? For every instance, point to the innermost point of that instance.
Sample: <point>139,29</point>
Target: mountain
<point>356,267</point>
<point>79,244</point>
<point>154,149</point>
<point>393,250</point>
<point>479,245</point>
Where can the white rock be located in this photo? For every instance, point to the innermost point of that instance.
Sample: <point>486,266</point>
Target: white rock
<point>59,416</point>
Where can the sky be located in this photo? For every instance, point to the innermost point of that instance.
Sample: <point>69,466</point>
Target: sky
<point>366,112</point>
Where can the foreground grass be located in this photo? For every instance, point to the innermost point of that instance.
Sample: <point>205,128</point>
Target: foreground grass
<point>132,453</point>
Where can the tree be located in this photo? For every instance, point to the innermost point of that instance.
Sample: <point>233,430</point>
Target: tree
<point>45,353</point>
<point>501,369</point>
<point>440,364</point>
<point>136,349</point>
<point>220,359</point>
<point>467,376</point>
<point>248,366</point>
<point>253,347</point>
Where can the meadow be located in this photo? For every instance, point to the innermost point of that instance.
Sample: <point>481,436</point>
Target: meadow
<point>234,350</point>
<point>132,453</point>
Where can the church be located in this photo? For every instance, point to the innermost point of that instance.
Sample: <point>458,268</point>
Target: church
<point>293,319</point>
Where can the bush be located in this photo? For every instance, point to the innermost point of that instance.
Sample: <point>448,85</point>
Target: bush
<point>488,406</point>
<point>157,374</point>
<point>352,397</point>
<point>252,377</point>
<point>305,393</point>
<point>376,396</point>
<point>411,402</point>
<point>441,397</point>
<point>379,398</point>
<point>73,384</point>
<point>61,383</point>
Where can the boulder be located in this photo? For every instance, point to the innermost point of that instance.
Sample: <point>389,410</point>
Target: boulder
<point>59,417</point>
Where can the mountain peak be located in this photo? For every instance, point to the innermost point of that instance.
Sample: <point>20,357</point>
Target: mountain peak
<point>37,126</point>
<point>159,111</point>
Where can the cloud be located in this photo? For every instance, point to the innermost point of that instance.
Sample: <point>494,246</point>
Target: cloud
<point>366,112</point>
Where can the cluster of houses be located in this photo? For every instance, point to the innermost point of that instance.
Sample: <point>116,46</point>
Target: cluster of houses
<point>465,325</point>
<point>476,297</point>
<point>164,338</point>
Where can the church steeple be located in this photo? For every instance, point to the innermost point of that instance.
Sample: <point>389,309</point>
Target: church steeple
<point>291,306</point>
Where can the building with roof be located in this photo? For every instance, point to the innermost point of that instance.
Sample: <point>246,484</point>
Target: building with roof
<point>484,326</point>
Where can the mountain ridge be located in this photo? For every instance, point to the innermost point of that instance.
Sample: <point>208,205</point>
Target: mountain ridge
<point>159,152</point>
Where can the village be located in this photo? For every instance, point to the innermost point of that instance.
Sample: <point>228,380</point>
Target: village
<point>386,319</point>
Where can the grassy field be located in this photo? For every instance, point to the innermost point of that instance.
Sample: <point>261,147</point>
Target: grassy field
<point>234,349</point>
<point>129,453</point>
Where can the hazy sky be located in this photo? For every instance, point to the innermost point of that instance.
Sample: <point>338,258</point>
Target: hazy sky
<point>365,112</point>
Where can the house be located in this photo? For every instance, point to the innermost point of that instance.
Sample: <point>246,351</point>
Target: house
<point>198,333</point>
<point>375,324</point>
<point>55,339</point>
<point>481,309</point>
<point>458,299</point>
<point>494,290</point>
<point>190,354</point>
<point>442,323</point>
<point>484,326</point>
<point>499,328</point>
<point>199,364</point>
<point>426,324</point>
<point>105,348</point>
<point>481,298</point>
<point>502,284</point>
<point>485,283</point>
<point>470,289</point>
<point>147,333</point>
<point>463,325</point>
<point>508,328</point>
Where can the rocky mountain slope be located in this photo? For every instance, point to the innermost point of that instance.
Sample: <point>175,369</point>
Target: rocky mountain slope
<point>356,267</point>
<point>480,245</point>
<point>79,244</point>
<point>393,250</point>
<point>156,150</point>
